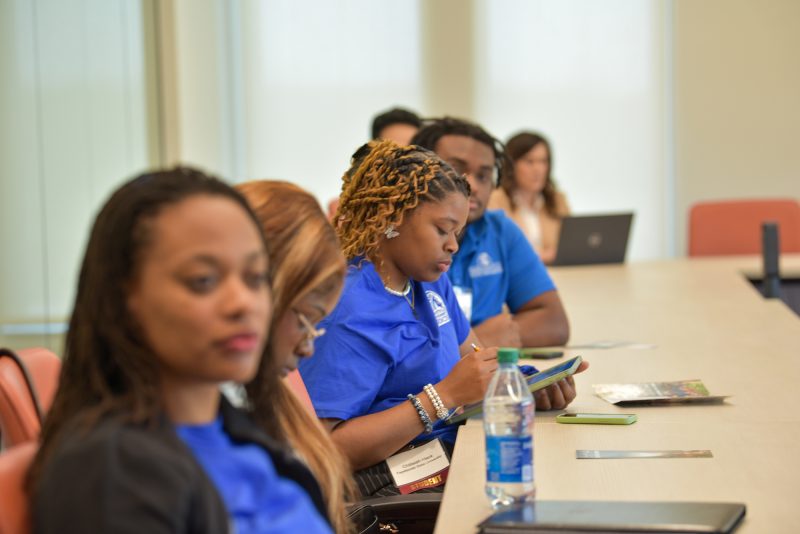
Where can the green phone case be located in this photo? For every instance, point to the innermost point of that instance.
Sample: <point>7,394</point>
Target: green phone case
<point>540,380</point>
<point>539,354</point>
<point>596,418</point>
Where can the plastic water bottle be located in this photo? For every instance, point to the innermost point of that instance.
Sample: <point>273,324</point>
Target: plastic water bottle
<point>508,410</point>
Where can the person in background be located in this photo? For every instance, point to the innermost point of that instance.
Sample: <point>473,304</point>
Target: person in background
<point>307,271</point>
<point>173,300</point>
<point>396,124</point>
<point>495,266</point>
<point>397,344</point>
<point>528,194</point>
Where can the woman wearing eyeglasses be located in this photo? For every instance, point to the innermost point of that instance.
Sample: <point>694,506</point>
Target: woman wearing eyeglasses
<point>307,271</point>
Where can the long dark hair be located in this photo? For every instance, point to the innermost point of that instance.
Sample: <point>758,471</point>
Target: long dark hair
<point>516,147</point>
<point>108,368</point>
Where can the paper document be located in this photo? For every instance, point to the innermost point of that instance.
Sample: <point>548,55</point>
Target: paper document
<point>679,392</point>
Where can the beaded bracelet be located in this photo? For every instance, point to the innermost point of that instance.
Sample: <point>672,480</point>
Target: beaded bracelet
<point>423,415</point>
<point>436,400</point>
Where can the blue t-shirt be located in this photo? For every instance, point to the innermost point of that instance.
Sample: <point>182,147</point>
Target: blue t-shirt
<point>375,351</point>
<point>258,500</point>
<point>496,265</point>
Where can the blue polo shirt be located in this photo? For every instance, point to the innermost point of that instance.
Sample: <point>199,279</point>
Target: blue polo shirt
<point>258,500</point>
<point>376,350</point>
<point>496,265</point>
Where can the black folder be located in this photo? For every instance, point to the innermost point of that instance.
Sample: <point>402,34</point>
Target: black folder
<point>616,516</point>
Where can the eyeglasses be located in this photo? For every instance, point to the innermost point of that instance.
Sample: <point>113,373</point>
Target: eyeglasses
<point>311,332</point>
<point>485,175</point>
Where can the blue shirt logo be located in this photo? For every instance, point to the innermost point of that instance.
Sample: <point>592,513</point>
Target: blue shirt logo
<point>485,266</point>
<point>438,307</point>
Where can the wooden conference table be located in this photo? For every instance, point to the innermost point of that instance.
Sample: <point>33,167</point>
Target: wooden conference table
<point>706,321</point>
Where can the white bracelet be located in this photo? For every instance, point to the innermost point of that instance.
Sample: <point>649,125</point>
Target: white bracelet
<point>438,405</point>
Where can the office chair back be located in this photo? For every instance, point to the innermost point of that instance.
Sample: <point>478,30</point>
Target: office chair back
<point>733,227</point>
<point>28,382</point>
<point>14,504</point>
<point>298,387</point>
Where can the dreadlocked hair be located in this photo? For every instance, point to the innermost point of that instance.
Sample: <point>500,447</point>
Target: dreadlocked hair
<point>434,129</point>
<point>384,182</point>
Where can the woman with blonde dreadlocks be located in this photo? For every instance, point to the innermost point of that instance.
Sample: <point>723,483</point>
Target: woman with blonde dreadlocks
<point>398,352</point>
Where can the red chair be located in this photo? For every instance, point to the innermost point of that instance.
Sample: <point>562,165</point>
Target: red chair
<point>19,414</point>
<point>14,506</point>
<point>298,387</point>
<point>733,227</point>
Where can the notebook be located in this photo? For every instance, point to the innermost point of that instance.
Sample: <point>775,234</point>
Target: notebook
<point>589,239</point>
<point>627,517</point>
<point>647,393</point>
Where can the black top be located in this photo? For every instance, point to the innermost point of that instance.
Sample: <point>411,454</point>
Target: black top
<point>130,478</point>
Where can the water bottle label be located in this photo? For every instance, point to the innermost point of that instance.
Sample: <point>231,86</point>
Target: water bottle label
<point>509,459</point>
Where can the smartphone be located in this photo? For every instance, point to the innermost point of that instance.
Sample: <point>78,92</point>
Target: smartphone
<point>537,381</point>
<point>542,379</point>
<point>540,354</point>
<point>597,418</point>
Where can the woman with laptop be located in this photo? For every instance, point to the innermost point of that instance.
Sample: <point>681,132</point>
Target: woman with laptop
<point>529,196</point>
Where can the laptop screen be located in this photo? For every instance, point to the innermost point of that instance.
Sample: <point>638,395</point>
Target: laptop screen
<point>591,239</point>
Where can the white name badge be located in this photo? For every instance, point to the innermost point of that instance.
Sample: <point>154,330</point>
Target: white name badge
<point>464,298</point>
<point>425,466</point>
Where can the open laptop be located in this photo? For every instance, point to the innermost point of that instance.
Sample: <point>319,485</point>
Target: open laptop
<point>591,239</point>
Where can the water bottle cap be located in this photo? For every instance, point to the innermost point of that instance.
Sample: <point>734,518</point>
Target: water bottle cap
<point>507,355</point>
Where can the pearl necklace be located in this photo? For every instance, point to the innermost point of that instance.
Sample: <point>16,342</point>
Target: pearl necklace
<point>404,293</point>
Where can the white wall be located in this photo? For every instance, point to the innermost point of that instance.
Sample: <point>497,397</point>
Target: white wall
<point>591,77</point>
<point>197,82</point>
<point>314,74</point>
<point>737,102</point>
<point>287,89</point>
<point>74,124</point>
<point>302,79</point>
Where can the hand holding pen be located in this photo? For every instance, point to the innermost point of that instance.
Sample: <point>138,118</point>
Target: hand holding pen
<point>467,381</point>
<point>554,397</point>
<point>526,370</point>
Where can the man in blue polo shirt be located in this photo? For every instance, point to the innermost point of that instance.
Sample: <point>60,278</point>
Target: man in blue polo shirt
<point>495,267</point>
